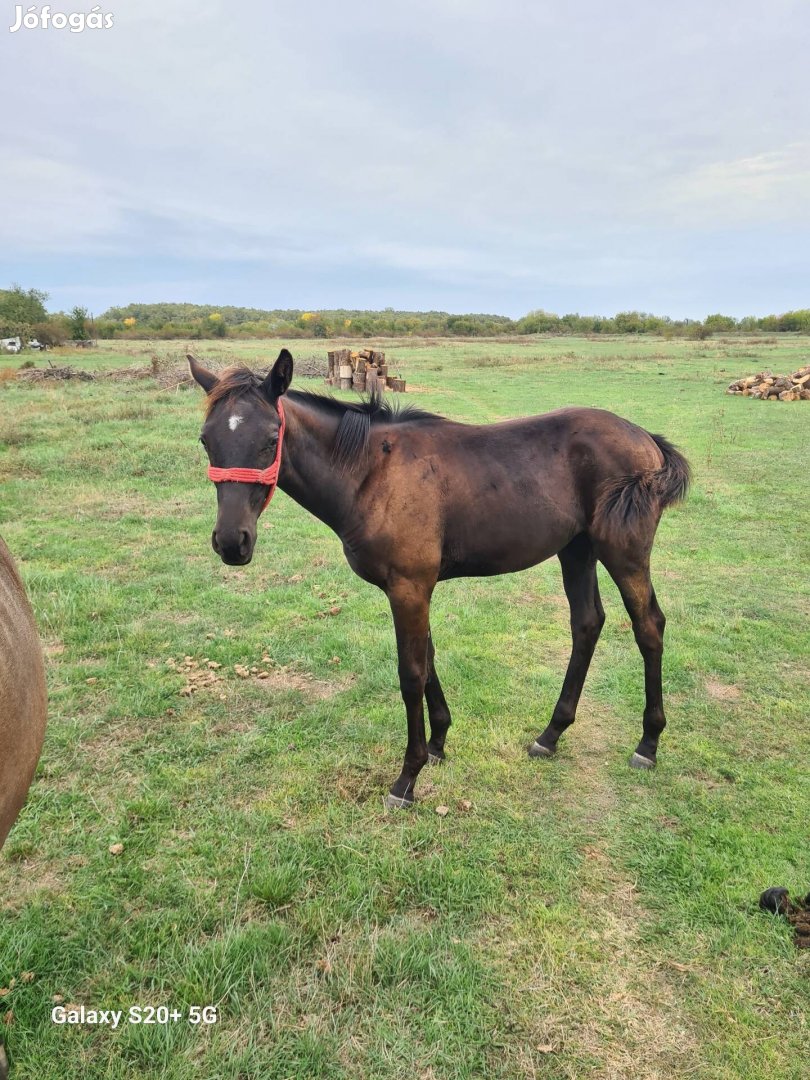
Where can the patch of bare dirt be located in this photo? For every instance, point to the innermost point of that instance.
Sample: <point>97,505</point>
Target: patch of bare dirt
<point>21,883</point>
<point>281,678</point>
<point>721,691</point>
<point>414,389</point>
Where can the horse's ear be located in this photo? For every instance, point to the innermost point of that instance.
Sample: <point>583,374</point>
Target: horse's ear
<point>280,376</point>
<point>206,379</point>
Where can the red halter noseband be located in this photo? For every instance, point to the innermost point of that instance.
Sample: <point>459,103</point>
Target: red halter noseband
<point>268,476</point>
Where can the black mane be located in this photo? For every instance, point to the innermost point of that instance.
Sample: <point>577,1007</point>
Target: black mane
<point>357,418</point>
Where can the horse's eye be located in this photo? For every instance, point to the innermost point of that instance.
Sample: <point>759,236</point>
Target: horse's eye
<point>202,440</point>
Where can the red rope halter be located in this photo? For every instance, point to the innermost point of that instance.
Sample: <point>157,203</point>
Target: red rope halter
<point>268,476</point>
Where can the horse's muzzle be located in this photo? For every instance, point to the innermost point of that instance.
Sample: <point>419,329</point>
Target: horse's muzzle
<point>234,548</point>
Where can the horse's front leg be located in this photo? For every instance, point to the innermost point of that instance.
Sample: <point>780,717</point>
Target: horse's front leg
<point>410,606</point>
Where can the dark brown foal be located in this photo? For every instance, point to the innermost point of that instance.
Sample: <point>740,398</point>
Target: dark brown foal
<point>417,499</point>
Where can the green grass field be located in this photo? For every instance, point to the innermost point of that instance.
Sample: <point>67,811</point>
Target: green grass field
<point>578,919</point>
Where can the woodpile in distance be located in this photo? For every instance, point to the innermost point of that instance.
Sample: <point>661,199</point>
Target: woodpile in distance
<point>34,374</point>
<point>361,370</point>
<point>770,387</point>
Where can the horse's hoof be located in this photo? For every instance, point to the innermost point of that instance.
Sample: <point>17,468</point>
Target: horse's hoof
<point>538,750</point>
<point>3,1064</point>
<point>434,759</point>
<point>638,761</point>
<point>393,802</point>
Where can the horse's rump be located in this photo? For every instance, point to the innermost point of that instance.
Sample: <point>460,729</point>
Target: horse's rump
<point>628,501</point>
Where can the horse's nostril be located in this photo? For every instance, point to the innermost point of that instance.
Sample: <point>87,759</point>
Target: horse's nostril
<point>233,547</point>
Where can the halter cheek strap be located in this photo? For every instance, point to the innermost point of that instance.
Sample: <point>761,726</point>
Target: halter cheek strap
<point>268,476</point>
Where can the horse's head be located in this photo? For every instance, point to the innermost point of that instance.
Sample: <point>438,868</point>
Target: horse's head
<point>242,435</point>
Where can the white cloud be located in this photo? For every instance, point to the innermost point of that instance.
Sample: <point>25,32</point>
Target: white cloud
<point>766,187</point>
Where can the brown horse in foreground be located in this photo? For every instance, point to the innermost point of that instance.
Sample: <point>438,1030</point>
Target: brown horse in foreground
<point>417,499</point>
<point>22,694</point>
<point>22,701</point>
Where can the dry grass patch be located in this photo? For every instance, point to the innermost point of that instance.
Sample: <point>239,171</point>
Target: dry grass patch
<point>282,679</point>
<point>721,691</point>
<point>22,881</point>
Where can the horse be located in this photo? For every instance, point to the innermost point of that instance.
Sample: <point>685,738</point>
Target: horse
<point>417,498</point>
<point>23,702</point>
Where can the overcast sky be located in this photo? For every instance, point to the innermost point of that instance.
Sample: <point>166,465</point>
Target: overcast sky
<point>465,155</point>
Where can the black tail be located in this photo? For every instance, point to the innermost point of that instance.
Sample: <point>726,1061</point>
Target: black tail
<point>628,500</point>
<point>673,479</point>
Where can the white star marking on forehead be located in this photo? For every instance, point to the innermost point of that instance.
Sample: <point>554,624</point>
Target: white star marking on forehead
<point>234,422</point>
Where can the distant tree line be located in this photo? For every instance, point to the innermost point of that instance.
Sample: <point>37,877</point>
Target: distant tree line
<point>23,314</point>
<point>193,320</point>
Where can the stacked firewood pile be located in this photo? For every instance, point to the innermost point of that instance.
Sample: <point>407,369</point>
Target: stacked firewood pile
<point>361,370</point>
<point>768,387</point>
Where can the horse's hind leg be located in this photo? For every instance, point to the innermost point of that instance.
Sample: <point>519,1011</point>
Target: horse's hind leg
<point>578,563</point>
<point>630,569</point>
<point>438,712</point>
